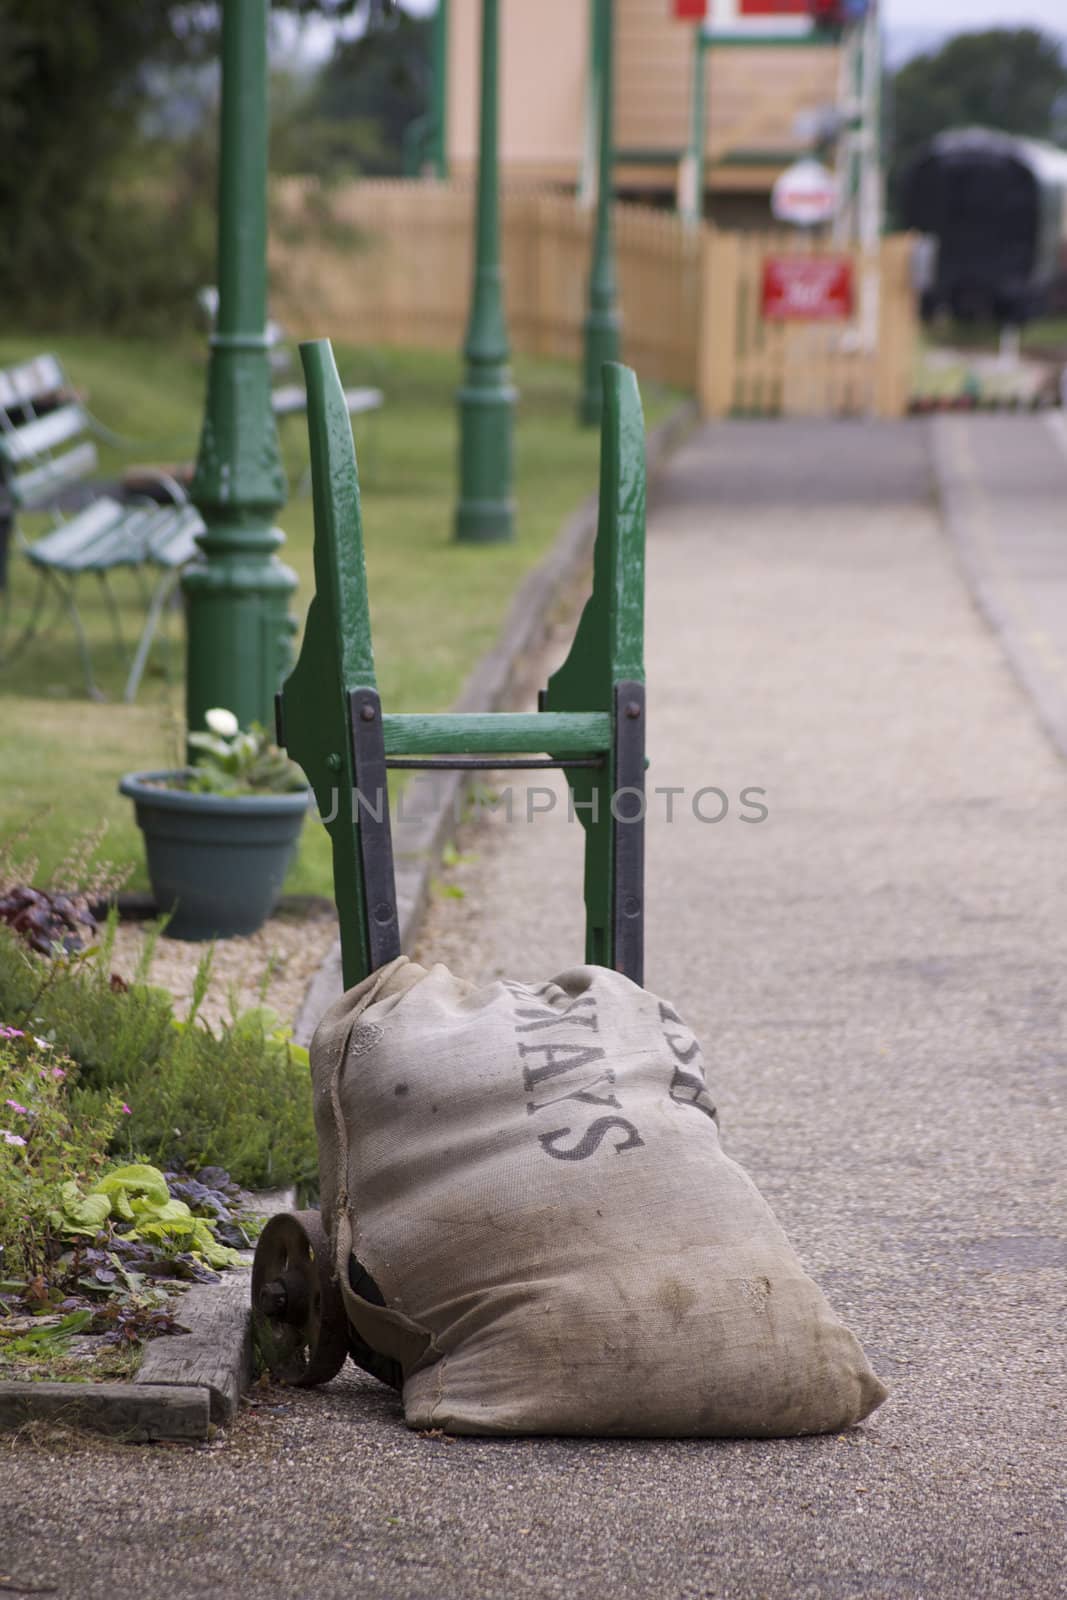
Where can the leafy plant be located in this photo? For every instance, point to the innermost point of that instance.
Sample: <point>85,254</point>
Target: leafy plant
<point>236,1097</point>
<point>45,1142</point>
<point>214,1194</point>
<point>56,916</point>
<point>231,762</point>
<point>107,1263</point>
<point>136,1200</point>
<point>48,1336</point>
<point>46,919</point>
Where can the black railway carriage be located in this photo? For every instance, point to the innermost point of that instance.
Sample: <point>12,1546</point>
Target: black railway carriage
<point>997,206</point>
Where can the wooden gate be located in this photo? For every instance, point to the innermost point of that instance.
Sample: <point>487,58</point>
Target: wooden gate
<point>752,364</point>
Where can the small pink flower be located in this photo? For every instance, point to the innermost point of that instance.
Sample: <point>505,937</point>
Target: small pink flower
<point>57,1072</point>
<point>16,1107</point>
<point>12,1138</point>
<point>126,1112</point>
<point>11,1033</point>
<point>42,1044</point>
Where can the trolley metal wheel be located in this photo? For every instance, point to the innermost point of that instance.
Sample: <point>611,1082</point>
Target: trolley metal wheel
<point>297,1310</point>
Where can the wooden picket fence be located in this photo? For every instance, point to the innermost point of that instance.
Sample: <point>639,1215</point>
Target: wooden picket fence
<point>403,274</point>
<point>389,262</point>
<point>751,366</point>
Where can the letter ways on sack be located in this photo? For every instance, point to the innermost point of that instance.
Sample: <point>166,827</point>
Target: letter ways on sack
<point>557,1070</point>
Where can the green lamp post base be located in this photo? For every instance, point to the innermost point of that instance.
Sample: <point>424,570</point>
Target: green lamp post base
<point>485,521</point>
<point>239,628</point>
<point>485,513</point>
<point>600,344</point>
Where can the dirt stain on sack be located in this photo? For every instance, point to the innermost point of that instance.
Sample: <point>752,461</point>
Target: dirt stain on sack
<point>401,1089</point>
<point>675,1298</point>
<point>757,1291</point>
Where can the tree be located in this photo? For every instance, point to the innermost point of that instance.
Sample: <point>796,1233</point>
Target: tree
<point>74,81</point>
<point>1013,79</point>
<point>107,218</point>
<point>382,80</point>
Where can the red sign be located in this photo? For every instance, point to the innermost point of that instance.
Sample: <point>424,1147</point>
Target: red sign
<point>807,289</point>
<point>739,11</point>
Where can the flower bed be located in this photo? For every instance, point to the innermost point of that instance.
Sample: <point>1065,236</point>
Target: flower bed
<point>118,1120</point>
<point>94,1253</point>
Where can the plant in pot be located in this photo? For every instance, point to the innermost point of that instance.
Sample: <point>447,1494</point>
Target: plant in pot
<point>219,835</point>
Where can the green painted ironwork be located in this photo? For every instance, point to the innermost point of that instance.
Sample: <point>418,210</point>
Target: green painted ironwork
<point>608,644</point>
<point>237,596</point>
<point>817,40</point>
<point>697,132</point>
<point>578,718</point>
<point>486,509</point>
<point>600,329</point>
<point>591,119</point>
<point>497,733</point>
<point>855,156</point>
<point>336,654</point>
<point>424,145</point>
<point>645,156</point>
<point>439,92</point>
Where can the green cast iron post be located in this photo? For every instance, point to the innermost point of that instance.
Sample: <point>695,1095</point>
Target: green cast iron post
<point>486,509</point>
<point>237,595</point>
<point>591,120</point>
<point>600,329</point>
<point>439,100</point>
<point>694,213</point>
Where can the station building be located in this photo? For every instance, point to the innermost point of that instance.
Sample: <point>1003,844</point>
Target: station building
<point>763,105</point>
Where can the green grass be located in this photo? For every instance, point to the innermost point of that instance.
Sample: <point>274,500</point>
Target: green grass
<point>436,606</point>
<point>1043,334</point>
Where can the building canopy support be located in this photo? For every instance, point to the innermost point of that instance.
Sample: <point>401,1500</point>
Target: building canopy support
<point>486,510</point>
<point>600,330</point>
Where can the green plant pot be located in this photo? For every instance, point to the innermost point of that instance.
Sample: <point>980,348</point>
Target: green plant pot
<point>216,862</point>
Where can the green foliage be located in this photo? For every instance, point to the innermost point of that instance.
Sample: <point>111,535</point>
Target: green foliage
<point>104,1260</point>
<point>1006,78</point>
<point>109,133</point>
<point>378,82</point>
<point>239,1098</point>
<point>138,1194</point>
<point>236,763</point>
<point>46,1141</point>
<point>74,82</point>
<point>305,143</point>
<point>50,1338</point>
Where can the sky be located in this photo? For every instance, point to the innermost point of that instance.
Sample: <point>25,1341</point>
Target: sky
<point>958,15</point>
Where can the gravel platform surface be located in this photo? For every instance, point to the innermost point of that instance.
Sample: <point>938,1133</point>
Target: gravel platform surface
<point>879,974</point>
<point>272,967</point>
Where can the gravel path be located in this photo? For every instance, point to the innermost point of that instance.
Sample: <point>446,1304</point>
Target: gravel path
<point>878,974</point>
<point>272,967</point>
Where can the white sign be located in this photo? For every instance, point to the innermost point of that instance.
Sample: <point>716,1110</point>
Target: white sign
<point>758,19</point>
<point>805,194</point>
